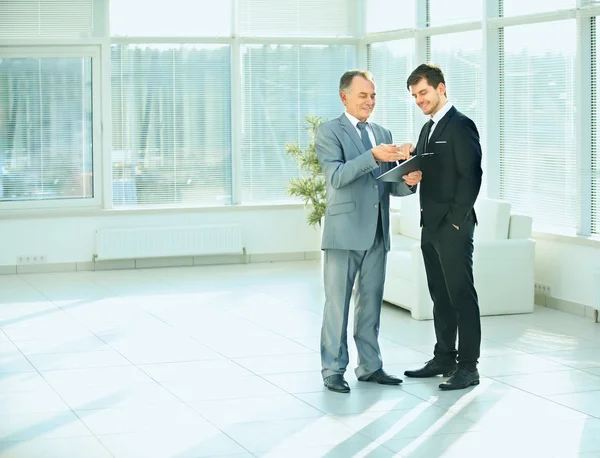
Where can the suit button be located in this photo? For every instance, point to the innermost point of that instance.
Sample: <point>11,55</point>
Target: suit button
<point>375,187</point>
<point>375,206</point>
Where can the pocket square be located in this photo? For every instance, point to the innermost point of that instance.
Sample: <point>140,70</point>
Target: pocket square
<point>441,141</point>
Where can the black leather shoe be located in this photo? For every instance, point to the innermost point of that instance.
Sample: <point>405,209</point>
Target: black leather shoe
<point>462,378</point>
<point>431,369</point>
<point>379,376</point>
<point>336,383</point>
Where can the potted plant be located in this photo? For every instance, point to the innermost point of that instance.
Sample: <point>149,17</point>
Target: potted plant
<point>311,185</point>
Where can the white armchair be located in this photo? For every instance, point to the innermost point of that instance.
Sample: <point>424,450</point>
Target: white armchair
<point>503,261</point>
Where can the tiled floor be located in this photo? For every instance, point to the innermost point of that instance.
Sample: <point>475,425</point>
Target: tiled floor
<point>223,361</point>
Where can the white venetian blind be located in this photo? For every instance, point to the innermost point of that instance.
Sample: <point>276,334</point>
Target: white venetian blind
<point>460,57</point>
<point>295,18</point>
<point>379,19</point>
<point>391,63</point>
<point>171,112</point>
<point>538,156</point>
<point>45,128</point>
<point>46,18</point>
<point>519,7</point>
<point>443,12</point>
<point>281,85</point>
<point>595,124</point>
<point>172,18</point>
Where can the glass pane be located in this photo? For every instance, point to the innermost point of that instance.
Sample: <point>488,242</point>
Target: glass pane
<point>538,149</point>
<point>595,172</point>
<point>384,15</point>
<point>391,63</point>
<point>173,18</point>
<point>45,128</point>
<point>46,18</point>
<point>518,7</point>
<point>171,117</point>
<point>296,18</point>
<point>443,12</point>
<point>460,56</point>
<point>282,84</point>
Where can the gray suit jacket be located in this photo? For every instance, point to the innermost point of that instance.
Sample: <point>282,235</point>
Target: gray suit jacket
<point>352,189</point>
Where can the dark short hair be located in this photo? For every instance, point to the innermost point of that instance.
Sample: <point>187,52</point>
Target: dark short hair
<point>346,79</point>
<point>432,74</point>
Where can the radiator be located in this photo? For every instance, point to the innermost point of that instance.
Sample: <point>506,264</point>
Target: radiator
<point>157,242</point>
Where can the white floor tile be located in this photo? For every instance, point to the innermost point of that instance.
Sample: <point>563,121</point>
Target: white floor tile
<point>26,427</point>
<point>225,413</point>
<point>587,402</point>
<point>39,400</point>
<point>161,418</point>
<point>383,399</point>
<point>277,437</point>
<point>549,383</point>
<point>224,361</point>
<point>107,396</point>
<point>117,376</point>
<point>194,370</point>
<point>79,360</point>
<point>280,364</point>
<point>494,366</point>
<point>580,358</point>
<point>182,444</point>
<point>89,447</point>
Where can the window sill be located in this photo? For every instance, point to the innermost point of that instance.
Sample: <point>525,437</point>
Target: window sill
<point>591,240</point>
<point>147,210</point>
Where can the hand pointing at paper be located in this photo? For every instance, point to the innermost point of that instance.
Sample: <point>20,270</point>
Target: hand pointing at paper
<point>411,178</point>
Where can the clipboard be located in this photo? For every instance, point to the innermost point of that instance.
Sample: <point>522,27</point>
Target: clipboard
<point>395,175</point>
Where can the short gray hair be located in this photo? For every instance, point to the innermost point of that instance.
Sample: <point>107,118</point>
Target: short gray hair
<point>346,79</point>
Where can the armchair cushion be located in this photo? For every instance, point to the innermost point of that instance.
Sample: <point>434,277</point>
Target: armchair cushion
<point>503,268</point>
<point>493,219</point>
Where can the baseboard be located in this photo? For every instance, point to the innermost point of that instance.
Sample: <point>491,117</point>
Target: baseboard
<point>180,261</point>
<point>574,308</point>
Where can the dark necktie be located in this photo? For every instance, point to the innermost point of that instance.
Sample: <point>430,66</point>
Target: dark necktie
<point>364,136</point>
<point>430,124</point>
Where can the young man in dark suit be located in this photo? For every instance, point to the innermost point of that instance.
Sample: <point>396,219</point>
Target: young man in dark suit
<point>451,178</point>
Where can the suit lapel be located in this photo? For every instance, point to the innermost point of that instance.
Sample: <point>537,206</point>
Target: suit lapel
<point>376,133</point>
<point>439,128</point>
<point>378,140</point>
<point>351,131</point>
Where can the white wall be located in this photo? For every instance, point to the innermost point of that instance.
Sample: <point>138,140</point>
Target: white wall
<point>64,239</point>
<point>568,268</point>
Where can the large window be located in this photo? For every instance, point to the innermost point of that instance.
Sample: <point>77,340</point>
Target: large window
<point>204,96</point>
<point>595,129</point>
<point>518,7</point>
<point>296,18</point>
<point>443,12</point>
<point>538,153</point>
<point>378,17</point>
<point>391,63</point>
<point>460,57</point>
<point>171,118</point>
<point>172,18</point>
<point>45,128</point>
<point>281,85</point>
<point>46,18</point>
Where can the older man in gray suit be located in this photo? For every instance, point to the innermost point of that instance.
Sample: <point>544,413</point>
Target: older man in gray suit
<point>353,153</point>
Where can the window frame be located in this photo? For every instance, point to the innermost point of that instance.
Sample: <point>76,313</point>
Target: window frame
<point>93,53</point>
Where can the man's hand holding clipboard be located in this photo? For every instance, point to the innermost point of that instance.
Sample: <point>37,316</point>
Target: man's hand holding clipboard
<point>408,170</point>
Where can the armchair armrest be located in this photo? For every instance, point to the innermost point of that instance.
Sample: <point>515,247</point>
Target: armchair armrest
<point>504,275</point>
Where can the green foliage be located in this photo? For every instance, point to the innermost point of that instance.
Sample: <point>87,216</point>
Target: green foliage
<point>311,186</point>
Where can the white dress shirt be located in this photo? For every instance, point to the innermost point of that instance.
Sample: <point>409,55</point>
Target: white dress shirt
<point>355,122</point>
<point>439,115</point>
